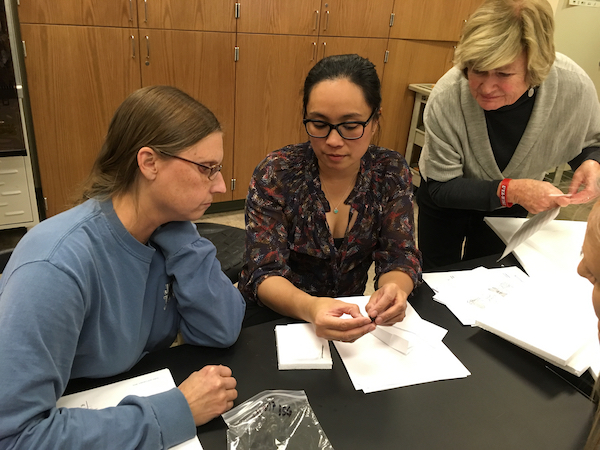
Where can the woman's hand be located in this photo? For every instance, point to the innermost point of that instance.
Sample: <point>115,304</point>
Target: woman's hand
<point>387,305</point>
<point>535,196</point>
<point>587,175</point>
<point>210,392</point>
<point>327,317</point>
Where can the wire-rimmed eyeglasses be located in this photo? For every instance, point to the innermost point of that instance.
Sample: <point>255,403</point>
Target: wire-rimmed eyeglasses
<point>210,171</point>
<point>351,130</point>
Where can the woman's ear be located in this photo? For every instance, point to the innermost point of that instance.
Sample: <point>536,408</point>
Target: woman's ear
<point>147,162</point>
<point>376,121</point>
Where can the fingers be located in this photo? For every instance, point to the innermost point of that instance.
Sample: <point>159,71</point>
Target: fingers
<point>209,392</point>
<point>583,196</point>
<point>347,335</point>
<point>387,305</point>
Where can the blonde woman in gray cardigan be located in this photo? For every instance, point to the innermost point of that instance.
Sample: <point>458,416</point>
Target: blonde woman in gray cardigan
<point>510,110</point>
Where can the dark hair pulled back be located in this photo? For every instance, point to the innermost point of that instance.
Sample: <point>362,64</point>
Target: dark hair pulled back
<point>355,68</point>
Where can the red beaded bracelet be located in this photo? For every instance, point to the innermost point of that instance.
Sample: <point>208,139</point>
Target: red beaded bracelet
<point>503,191</point>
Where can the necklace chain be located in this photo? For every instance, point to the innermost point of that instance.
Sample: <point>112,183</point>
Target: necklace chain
<point>335,210</point>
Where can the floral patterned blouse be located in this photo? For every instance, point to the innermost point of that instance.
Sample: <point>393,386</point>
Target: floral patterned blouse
<point>287,232</point>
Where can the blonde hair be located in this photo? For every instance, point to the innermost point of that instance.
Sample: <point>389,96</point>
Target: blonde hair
<point>161,117</point>
<point>500,30</point>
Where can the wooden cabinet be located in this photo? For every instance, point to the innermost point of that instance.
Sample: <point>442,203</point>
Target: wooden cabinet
<point>77,77</point>
<point>374,49</point>
<point>408,62</point>
<point>201,64</point>
<point>269,77</point>
<point>437,20</point>
<point>299,17</point>
<point>358,18</point>
<point>112,13</point>
<point>85,56</point>
<point>205,15</point>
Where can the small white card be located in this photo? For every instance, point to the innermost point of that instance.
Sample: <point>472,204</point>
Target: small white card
<point>298,347</point>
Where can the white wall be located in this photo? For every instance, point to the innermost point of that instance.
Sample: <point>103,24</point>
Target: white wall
<point>577,35</point>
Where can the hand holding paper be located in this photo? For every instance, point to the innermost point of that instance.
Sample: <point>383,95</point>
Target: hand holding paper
<point>535,196</point>
<point>387,305</point>
<point>330,325</point>
<point>587,175</point>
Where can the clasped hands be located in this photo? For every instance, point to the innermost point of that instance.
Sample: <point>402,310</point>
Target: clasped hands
<point>386,306</point>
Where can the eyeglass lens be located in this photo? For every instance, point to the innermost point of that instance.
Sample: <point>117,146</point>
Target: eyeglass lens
<point>349,130</point>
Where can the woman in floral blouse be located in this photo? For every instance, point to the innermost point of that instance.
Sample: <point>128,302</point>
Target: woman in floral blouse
<point>319,213</point>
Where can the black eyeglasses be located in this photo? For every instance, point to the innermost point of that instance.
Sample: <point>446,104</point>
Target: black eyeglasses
<point>347,130</point>
<point>210,171</point>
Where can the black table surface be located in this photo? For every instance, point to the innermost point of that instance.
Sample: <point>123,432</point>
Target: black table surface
<point>511,400</point>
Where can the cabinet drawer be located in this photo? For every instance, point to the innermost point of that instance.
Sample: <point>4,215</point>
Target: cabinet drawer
<point>15,205</point>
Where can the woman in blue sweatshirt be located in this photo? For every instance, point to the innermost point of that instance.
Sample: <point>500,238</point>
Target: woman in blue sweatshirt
<point>89,292</point>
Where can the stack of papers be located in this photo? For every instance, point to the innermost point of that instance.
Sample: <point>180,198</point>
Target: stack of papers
<point>552,318</point>
<point>298,347</point>
<point>373,365</point>
<point>468,293</point>
<point>112,394</point>
<point>550,313</point>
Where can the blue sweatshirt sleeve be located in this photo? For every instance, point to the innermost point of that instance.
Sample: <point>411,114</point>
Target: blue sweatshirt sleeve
<point>42,312</point>
<point>211,308</point>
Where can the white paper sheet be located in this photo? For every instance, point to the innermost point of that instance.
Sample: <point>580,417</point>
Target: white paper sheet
<point>529,228</point>
<point>298,347</point>
<point>552,317</point>
<point>110,395</point>
<point>555,247</point>
<point>374,366</point>
<point>472,291</point>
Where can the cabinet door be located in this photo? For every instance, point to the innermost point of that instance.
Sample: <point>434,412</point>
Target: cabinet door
<point>77,78</point>
<point>373,49</point>
<point>436,20</point>
<point>201,64</point>
<point>111,13</point>
<point>205,15</point>
<point>356,18</point>
<point>268,114</point>
<point>408,62</point>
<point>279,17</point>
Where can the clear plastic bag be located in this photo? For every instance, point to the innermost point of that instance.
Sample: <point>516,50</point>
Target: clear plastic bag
<point>275,420</point>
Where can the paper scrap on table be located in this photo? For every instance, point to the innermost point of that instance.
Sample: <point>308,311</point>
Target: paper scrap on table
<point>298,347</point>
<point>375,366</point>
<point>112,394</point>
<point>529,228</point>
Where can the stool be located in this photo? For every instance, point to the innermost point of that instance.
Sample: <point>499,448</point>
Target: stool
<point>230,244</point>
<point>4,257</point>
